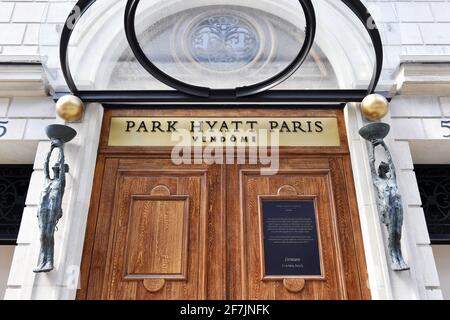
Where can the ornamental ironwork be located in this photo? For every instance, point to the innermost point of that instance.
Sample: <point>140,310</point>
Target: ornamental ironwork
<point>434,187</point>
<point>224,42</point>
<point>14,182</point>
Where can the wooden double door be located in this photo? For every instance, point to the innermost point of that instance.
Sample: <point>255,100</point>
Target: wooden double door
<point>160,231</point>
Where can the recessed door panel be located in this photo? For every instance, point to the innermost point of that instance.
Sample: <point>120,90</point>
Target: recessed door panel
<point>157,241</point>
<point>288,185</point>
<point>149,241</point>
<point>157,237</point>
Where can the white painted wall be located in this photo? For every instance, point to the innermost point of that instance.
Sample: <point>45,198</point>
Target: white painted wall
<point>6,256</point>
<point>442,257</point>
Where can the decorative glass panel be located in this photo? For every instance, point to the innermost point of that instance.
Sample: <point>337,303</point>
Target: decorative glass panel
<point>218,44</point>
<point>223,42</point>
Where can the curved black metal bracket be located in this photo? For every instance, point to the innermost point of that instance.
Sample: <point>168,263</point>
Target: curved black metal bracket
<point>79,9</point>
<point>130,12</point>
<point>372,29</point>
<point>130,31</point>
<point>310,34</point>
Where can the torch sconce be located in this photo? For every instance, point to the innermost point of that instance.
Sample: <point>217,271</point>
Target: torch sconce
<point>50,205</point>
<point>389,200</point>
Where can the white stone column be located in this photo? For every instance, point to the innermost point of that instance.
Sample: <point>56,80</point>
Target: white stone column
<point>421,282</point>
<point>81,155</point>
<point>377,267</point>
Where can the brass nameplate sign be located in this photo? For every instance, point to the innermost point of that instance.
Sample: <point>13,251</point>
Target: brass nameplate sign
<point>169,132</point>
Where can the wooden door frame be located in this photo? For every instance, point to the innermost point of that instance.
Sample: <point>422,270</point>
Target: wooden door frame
<point>105,152</point>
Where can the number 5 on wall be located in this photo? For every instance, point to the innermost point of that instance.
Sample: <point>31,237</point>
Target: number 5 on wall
<point>3,129</point>
<point>446,124</point>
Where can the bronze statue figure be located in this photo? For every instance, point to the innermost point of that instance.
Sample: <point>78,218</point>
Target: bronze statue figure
<point>389,200</point>
<point>50,206</point>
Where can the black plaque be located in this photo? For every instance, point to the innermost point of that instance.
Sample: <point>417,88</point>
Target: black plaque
<point>291,244</point>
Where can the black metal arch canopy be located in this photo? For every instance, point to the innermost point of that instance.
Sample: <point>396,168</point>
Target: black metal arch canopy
<point>254,93</point>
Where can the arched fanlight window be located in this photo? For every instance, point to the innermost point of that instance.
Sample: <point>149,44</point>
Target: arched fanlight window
<point>134,50</point>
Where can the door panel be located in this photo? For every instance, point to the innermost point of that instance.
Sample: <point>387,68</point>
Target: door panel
<point>157,236</point>
<point>150,245</point>
<point>158,240</point>
<point>340,260</point>
<point>296,183</point>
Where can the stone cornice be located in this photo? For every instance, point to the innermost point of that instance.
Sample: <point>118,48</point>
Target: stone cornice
<point>424,78</point>
<point>22,79</point>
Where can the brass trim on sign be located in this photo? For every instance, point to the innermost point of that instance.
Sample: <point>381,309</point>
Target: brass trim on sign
<point>296,132</point>
<point>264,276</point>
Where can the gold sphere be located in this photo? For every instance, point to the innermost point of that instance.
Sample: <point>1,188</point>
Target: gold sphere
<point>70,108</point>
<point>374,107</point>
